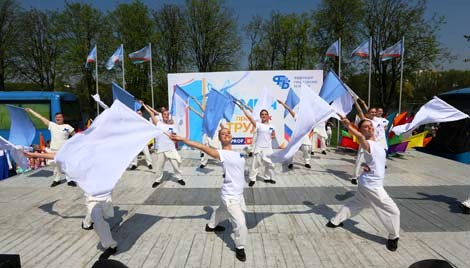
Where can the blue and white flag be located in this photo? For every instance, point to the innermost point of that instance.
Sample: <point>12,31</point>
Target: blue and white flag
<point>115,58</point>
<point>140,56</point>
<point>22,130</point>
<point>333,50</point>
<point>215,110</point>
<point>91,57</point>
<point>332,87</point>
<point>362,50</point>
<point>230,107</point>
<point>125,97</point>
<point>179,103</point>
<point>291,101</point>
<point>394,51</point>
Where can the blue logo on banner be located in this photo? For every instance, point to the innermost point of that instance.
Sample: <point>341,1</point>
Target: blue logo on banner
<point>282,81</point>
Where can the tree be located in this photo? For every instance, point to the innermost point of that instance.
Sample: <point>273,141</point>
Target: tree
<point>133,27</point>
<point>80,27</point>
<point>387,21</point>
<point>38,48</point>
<point>280,42</point>
<point>9,11</point>
<point>335,19</point>
<point>213,35</point>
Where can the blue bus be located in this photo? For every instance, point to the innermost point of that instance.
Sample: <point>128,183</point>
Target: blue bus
<point>47,103</point>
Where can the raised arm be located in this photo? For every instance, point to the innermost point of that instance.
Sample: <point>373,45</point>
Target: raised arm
<point>364,104</point>
<point>196,111</point>
<point>360,113</point>
<point>361,138</point>
<point>206,149</point>
<point>250,118</point>
<point>152,114</point>
<point>44,120</point>
<point>286,107</point>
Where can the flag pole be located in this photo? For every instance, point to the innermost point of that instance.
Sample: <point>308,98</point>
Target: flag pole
<point>370,69</point>
<point>122,64</point>
<point>96,75</point>
<point>401,71</point>
<point>339,75</point>
<point>151,75</point>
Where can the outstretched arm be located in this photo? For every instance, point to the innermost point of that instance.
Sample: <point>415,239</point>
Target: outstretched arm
<point>362,139</point>
<point>206,149</point>
<point>287,107</point>
<point>40,155</point>
<point>250,118</point>
<point>44,120</point>
<point>364,104</point>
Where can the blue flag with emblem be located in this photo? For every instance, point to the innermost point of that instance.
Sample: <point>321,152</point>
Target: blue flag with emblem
<point>125,97</point>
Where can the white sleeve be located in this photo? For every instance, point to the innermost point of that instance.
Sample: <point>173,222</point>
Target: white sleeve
<point>221,155</point>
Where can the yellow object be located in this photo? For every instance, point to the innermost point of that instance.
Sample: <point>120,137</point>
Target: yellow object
<point>416,140</point>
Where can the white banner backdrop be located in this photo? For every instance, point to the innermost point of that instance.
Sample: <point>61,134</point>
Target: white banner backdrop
<point>247,87</point>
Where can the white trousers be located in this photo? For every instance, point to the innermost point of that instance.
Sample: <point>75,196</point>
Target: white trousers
<point>57,173</point>
<point>306,150</point>
<point>148,157</point>
<point>315,142</point>
<point>160,163</point>
<point>261,161</point>
<point>357,166</point>
<point>235,210</point>
<point>98,210</point>
<point>381,203</point>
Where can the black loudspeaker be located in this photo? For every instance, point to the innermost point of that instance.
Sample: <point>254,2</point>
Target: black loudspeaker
<point>10,261</point>
<point>431,264</point>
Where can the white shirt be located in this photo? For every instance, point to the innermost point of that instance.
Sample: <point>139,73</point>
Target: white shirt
<point>380,125</point>
<point>234,169</point>
<point>375,160</point>
<point>263,135</point>
<point>59,134</point>
<point>163,142</point>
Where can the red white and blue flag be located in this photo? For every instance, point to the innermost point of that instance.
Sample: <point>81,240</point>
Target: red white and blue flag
<point>141,56</point>
<point>115,58</point>
<point>362,50</point>
<point>91,56</point>
<point>394,51</point>
<point>333,50</point>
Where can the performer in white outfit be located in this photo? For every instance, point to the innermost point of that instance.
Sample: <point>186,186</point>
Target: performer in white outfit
<point>60,133</point>
<point>233,202</point>
<point>306,147</point>
<point>379,135</point>
<point>263,146</point>
<point>371,192</point>
<point>166,150</point>
<point>145,150</point>
<point>99,208</point>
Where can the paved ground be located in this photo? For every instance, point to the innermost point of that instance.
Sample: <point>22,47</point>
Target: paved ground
<point>164,227</point>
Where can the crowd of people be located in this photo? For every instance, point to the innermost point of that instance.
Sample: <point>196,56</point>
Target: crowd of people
<point>368,174</point>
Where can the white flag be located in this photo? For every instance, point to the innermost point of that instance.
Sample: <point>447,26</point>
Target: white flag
<point>313,110</point>
<point>264,102</point>
<point>343,105</point>
<point>434,111</point>
<point>97,157</point>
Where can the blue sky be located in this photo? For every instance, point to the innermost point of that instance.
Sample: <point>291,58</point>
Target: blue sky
<point>451,36</point>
